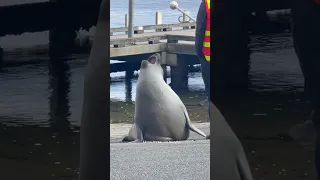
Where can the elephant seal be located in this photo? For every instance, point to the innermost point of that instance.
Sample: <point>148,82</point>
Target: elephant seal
<point>160,115</point>
<point>304,133</point>
<point>228,160</point>
<point>96,97</point>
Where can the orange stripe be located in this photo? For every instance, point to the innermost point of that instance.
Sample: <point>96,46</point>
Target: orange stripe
<point>206,51</point>
<point>206,38</point>
<point>208,25</point>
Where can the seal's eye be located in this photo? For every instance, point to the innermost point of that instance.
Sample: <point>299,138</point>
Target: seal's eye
<point>152,60</point>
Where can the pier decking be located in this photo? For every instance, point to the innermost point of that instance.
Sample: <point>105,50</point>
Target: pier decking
<point>176,47</point>
<point>176,42</point>
<point>41,16</point>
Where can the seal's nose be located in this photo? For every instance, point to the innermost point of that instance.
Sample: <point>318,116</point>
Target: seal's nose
<point>152,60</point>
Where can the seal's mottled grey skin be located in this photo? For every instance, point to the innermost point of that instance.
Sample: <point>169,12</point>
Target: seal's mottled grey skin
<point>306,38</point>
<point>94,156</point>
<point>160,115</point>
<point>228,160</point>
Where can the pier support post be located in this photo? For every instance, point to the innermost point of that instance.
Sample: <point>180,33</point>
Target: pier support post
<point>186,18</point>
<point>1,56</point>
<point>165,75</point>
<point>164,65</point>
<point>158,20</point>
<point>261,16</point>
<point>130,23</point>
<point>59,86</point>
<point>179,74</point>
<point>128,84</point>
<point>62,36</point>
<point>61,40</point>
<point>260,20</point>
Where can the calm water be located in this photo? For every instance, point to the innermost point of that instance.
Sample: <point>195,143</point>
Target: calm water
<point>29,93</point>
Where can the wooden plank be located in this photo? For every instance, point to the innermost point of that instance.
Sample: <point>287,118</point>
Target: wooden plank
<point>42,16</point>
<point>121,42</point>
<point>180,38</point>
<point>176,48</point>
<point>136,50</point>
<point>154,27</point>
<point>36,17</point>
<point>186,32</point>
<point>173,48</point>
<point>151,39</point>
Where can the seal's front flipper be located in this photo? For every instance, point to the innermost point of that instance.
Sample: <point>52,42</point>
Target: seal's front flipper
<point>191,126</point>
<point>127,139</point>
<point>243,166</point>
<point>208,136</point>
<point>135,135</point>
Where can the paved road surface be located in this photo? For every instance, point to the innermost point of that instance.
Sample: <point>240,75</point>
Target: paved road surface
<point>182,160</point>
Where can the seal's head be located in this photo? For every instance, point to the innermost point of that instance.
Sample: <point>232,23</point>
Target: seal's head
<point>153,63</point>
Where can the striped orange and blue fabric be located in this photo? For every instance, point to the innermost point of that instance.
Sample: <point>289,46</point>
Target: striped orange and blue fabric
<point>206,42</point>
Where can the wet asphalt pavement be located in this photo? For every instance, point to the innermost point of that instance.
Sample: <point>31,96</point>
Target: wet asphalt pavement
<point>182,160</point>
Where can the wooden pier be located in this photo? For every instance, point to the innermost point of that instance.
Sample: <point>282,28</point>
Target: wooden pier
<point>36,17</point>
<point>43,16</point>
<point>175,42</point>
<point>176,47</point>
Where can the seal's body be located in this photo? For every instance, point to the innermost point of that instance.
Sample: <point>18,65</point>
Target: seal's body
<point>305,15</point>
<point>228,158</point>
<point>160,115</point>
<point>95,117</point>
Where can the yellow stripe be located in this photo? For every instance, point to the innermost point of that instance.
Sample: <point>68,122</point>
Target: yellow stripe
<point>207,58</point>
<point>206,44</point>
<point>208,2</point>
<point>207,33</point>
